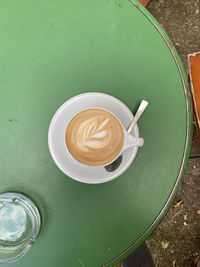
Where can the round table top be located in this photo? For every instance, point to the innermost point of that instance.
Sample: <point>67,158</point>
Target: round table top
<point>53,50</point>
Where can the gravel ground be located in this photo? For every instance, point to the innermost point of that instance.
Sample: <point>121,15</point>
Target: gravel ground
<point>176,241</point>
<point>181,20</point>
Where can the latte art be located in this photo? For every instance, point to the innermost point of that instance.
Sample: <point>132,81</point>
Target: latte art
<point>94,137</point>
<point>93,134</point>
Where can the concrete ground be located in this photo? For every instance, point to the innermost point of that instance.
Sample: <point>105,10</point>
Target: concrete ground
<point>176,241</point>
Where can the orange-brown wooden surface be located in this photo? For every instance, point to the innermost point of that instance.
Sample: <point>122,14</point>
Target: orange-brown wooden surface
<point>144,2</point>
<point>195,84</point>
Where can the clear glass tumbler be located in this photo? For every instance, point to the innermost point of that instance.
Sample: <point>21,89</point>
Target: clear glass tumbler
<point>19,226</point>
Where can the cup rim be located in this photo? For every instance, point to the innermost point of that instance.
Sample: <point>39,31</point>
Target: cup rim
<point>123,143</point>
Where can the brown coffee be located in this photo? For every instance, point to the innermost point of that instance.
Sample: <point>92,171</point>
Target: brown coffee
<point>94,137</point>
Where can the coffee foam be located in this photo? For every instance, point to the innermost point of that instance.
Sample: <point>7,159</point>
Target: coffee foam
<point>92,134</point>
<point>94,137</point>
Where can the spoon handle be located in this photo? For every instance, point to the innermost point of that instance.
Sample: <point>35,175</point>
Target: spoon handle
<point>139,112</point>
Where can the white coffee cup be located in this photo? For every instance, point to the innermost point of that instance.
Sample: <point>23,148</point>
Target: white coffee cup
<point>128,139</point>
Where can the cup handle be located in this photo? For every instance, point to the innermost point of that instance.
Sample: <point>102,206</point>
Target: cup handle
<point>131,141</point>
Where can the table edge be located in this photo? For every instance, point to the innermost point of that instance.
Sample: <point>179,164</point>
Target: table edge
<point>189,118</point>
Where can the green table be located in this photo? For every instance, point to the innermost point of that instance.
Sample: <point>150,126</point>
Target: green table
<point>53,50</point>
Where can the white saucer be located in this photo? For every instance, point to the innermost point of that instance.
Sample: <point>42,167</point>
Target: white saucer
<point>56,137</point>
